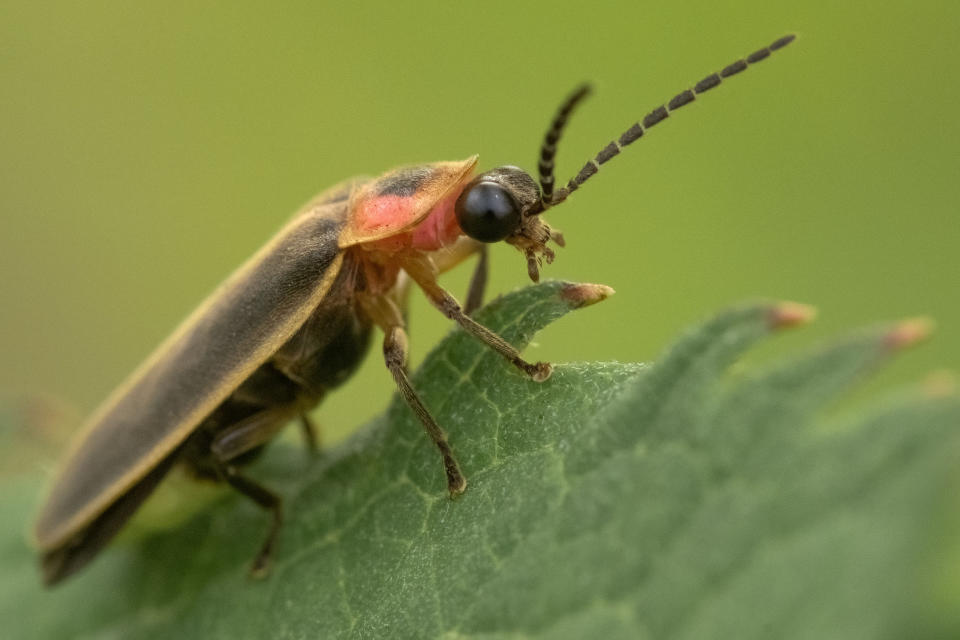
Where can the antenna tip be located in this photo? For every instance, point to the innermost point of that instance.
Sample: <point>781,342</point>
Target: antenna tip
<point>582,90</point>
<point>782,42</point>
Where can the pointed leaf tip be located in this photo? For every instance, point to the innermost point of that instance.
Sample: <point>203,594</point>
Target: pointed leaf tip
<point>908,333</point>
<point>785,315</point>
<point>583,295</point>
<point>940,384</point>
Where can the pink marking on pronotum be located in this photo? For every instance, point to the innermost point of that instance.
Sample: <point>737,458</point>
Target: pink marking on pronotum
<point>384,212</point>
<point>440,228</point>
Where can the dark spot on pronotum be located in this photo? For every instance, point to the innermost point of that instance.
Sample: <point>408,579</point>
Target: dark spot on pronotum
<point>757,56</point>
<point>337,196</point>
<point>680,99</point>
<point>631,134</point>
<point>707,83</point>
<point>608,152</point>
<point>782,42</point>
<point>405,183</point>
<point>736,67</point>
<point>588,170</point>
<point>655,116</point>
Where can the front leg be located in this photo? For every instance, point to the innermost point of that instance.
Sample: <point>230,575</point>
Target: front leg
<point>423,273</point>
<point>453,255</point>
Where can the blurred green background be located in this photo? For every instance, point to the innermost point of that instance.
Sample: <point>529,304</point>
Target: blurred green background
<point>148,150</point>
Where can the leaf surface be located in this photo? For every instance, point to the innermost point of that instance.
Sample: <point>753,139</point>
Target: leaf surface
<point>686,499</point>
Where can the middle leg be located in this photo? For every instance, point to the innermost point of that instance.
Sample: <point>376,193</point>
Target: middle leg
<point>384,313</point>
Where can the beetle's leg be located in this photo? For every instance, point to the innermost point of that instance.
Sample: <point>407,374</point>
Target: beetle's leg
<point>395,356</point>
<point>453,255</point>
<point>309,433</point>
<point>266,499</point>
<point>237,439</point>
<point>250,433</point>
<point>385,313</point>
<point>478,282</point>
<point>424,274</point>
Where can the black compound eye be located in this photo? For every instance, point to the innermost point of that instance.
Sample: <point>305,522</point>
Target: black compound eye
<point>487,212</point>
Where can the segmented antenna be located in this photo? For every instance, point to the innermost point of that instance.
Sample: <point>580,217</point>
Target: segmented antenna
<point>637,130</point>
<point>549,147</point>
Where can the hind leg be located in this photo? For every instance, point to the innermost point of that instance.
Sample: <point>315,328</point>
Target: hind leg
<point>235,440</point>
<point>268,500</point>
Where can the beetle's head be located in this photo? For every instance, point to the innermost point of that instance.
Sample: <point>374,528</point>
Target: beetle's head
<point>502,204</point>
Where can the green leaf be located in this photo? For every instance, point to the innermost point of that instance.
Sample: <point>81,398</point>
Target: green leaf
<point>687,499</point>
